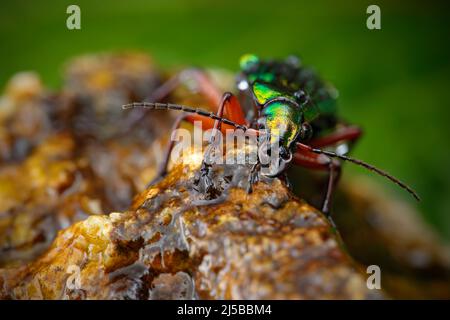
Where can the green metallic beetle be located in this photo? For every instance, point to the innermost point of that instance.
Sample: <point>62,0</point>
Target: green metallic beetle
<point>286,105</point>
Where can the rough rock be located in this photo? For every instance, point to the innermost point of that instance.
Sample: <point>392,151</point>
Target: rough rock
<point>174,244</point>
<point>380,229</point>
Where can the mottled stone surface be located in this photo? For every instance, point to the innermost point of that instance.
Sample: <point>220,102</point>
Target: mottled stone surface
<point>379,229</point>
<point>173,244</point>
<point>62,155</point>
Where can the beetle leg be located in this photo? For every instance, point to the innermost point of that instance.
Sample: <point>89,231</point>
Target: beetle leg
<point>252,178</point>
<point>350,133</point>
<point>334,174</point>
<point>305,158</point>
<point>287,181</point>
<point>226,104</point>
<point>205,85</point>
<point>162,170</point>
<point>230,105</point>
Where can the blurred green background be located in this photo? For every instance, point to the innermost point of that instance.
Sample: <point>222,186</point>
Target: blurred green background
<point>394,82</point>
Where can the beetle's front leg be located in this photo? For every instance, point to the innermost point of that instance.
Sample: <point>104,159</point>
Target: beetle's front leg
<point>346,134</point>
<point>253,176</point>
<point>205,87</point>
<point>204,180</point>
<point>206,123</point>
<point>305,158</point>
<point>229,105</point>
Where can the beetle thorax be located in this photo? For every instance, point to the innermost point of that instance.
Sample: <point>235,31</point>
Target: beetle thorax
<point>282,120</point>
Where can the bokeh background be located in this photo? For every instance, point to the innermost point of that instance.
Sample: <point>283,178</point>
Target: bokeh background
<point>394,82</point>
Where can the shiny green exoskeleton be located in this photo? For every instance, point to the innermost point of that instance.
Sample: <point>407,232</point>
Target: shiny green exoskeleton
<point>293,110</point>
<point>293,104</point>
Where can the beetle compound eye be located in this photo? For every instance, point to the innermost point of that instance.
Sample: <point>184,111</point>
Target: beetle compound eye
<point>307,132</point>
<point>301,96</point>
<point>293,61</point>
<point>248,62</point>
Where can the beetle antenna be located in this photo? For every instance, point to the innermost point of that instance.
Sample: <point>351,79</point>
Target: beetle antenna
<point>369,167</point>
<point>179,107</point>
